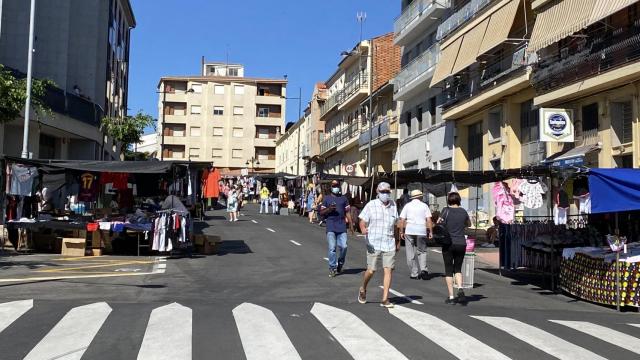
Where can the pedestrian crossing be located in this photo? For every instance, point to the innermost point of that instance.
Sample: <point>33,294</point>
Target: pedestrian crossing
<point>265,333</point>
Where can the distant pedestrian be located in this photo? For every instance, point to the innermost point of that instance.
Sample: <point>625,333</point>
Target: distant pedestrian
<point>264,199</point>
<point>456,220</point>
<point>377,221</point>
<point>232,205</point>
<point>311,202</point>
<point>335,209</point>
<point>275,201</point>
<point>319,200</point>
<point>415,220</point>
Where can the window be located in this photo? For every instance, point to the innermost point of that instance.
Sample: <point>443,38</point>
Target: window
<point>218,131</point>
<point>407,121</point>
<point>446,164</point>
<point>236,153</point>
<point>194,153</point>
<point>432,109</point>
<point>419,118</point>
<point>238,110</point>
<point>195,109</point>
<point>622,122</point>
<point>218,110</point>
<point>238,132</point>
<point>238,89</point>
<point>218,89</point>
<point>216,153</point>
<point>197,88</point>
<point>263,112</point>
<point>495,124</point>
<point>233,72</point>
<point>195,131</point>
<point>590,117</point>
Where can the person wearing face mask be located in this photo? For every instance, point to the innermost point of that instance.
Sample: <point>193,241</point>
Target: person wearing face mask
<point>377,222</point>
<point>335,210</point>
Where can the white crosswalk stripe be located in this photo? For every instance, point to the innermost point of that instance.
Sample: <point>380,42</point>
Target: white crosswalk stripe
<point>168,334</point>
<point>540,339</point>
<point>447,336</point>
<point>635,325</point>
<point>70,337</point>
<point>262,335</point>
<point>611,336</point>
<point>360,341</point>
<point>11,311</point>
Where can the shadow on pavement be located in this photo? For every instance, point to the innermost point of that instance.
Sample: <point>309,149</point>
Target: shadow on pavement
<point>352,271</point>
<point>234,247</point>
<point>404,300</point>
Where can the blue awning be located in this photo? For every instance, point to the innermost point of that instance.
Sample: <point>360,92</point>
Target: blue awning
<point>614,190</point>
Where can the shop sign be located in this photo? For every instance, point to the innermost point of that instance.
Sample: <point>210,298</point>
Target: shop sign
<point>350,169</point>
<point>556,125</point>
<point>564,163</point>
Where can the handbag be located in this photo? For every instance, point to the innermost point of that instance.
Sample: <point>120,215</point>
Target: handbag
<point>441,234</point>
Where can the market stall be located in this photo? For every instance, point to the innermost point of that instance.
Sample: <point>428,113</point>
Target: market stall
<point>95,207</point>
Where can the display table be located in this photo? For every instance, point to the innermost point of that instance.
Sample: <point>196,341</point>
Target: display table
<point>590,274</point>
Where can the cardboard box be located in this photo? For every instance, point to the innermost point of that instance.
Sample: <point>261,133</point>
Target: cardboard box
<point>207,244</point>
<point>73,246</point>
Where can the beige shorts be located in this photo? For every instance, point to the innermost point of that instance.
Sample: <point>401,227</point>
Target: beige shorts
<point>388,259</point>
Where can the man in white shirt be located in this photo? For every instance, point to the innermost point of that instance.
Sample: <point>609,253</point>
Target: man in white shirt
<point>415,219</point>
<point>377,222</point>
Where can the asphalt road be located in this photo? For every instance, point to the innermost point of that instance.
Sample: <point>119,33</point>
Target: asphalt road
<point>267,295</point>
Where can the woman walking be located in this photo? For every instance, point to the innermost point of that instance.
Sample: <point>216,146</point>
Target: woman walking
<point>232,205</point>
<point>311,201</point>
<point>455,219</point>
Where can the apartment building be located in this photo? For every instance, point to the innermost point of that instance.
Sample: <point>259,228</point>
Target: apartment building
<point>425,140</point>
<point>344,109</point>
<point>313,162</point>
<point>83,47</point>
<point>291,147</point>
<point>223,117</point>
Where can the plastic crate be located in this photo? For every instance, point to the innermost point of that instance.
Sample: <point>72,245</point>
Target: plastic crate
<point>468,270</point>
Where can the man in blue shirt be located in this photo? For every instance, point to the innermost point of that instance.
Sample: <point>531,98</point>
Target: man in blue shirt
<point>335,209</point>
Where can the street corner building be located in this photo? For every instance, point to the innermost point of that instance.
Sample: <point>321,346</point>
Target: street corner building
<point>223,117</point>
<point>83,47</point>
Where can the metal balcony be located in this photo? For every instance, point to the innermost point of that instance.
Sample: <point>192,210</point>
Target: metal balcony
<point>418,16</point>
<point>341,137</point>
<point>418,72</point>
<point>385,128</point>
<point>460,17</point>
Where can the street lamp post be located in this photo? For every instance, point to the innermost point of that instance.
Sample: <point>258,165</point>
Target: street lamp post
<point>27,105</point>
<point>252,161</point>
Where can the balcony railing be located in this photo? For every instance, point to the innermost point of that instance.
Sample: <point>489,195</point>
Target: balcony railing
<point>413,11</point>
<point>588,137</point>
<point>492,74</point>
<point>341,137</point>
<point>597,55</point>
<point>418,66</point>
<point>350,88</point>
<point>460,17</point>
<point>384,126</point>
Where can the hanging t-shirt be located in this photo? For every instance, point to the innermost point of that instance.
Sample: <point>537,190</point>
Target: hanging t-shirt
<point>88,187</point>
<point>22,179</point>
<point>119,180</point>
<point>532,194</point>
<point>563,199</point>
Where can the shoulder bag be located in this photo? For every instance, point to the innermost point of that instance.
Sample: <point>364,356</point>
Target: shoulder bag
<point>440,233</point>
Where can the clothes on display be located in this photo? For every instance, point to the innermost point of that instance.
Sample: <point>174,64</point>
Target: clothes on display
<point>21,179</point>
<point>88,187</point>
<point>119,180</point>
<point>531,194</point>
<point>505,209</point>
<point>170,230</point>
<point>210,179</point>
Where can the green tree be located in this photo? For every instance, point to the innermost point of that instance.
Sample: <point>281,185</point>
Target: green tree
<point>127,130</point>
<point>13,94</point>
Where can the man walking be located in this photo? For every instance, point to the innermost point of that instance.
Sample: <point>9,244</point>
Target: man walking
<point>335,209</point>
<point>415,219</point>
<point>264,199</point>
<point>377,222</point>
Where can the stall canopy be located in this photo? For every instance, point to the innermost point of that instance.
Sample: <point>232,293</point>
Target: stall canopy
<point>614,190</point>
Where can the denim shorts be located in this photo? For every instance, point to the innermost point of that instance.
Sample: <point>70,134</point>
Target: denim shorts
<point>388,259</point>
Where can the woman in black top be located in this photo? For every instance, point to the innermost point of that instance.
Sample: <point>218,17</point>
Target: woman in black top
<point>456,220</point>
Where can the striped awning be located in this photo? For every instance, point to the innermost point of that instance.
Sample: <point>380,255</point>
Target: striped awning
<point>471,42</point>
<point>605,8</point>
<point>447,60</point>
<point>500,26</point>
<point>561,19</point>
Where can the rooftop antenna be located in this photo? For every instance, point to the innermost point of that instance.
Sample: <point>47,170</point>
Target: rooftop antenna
<point>361,16</point>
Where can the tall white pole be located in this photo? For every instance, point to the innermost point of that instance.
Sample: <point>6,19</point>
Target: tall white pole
<point>27,105</point>
<point>0,19</point>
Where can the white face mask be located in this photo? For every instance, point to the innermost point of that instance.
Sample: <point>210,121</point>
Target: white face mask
<point>384,197</point>
<point>335,190</point>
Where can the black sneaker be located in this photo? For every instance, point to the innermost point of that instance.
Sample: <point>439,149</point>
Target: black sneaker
<point>339,269</point>
<point>424,275</point>
<point>461,297</point>
<point>449,301</point>
<point>414,277</point>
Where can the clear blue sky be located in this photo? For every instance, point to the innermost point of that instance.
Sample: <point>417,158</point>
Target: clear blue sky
<point>300,38</point>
